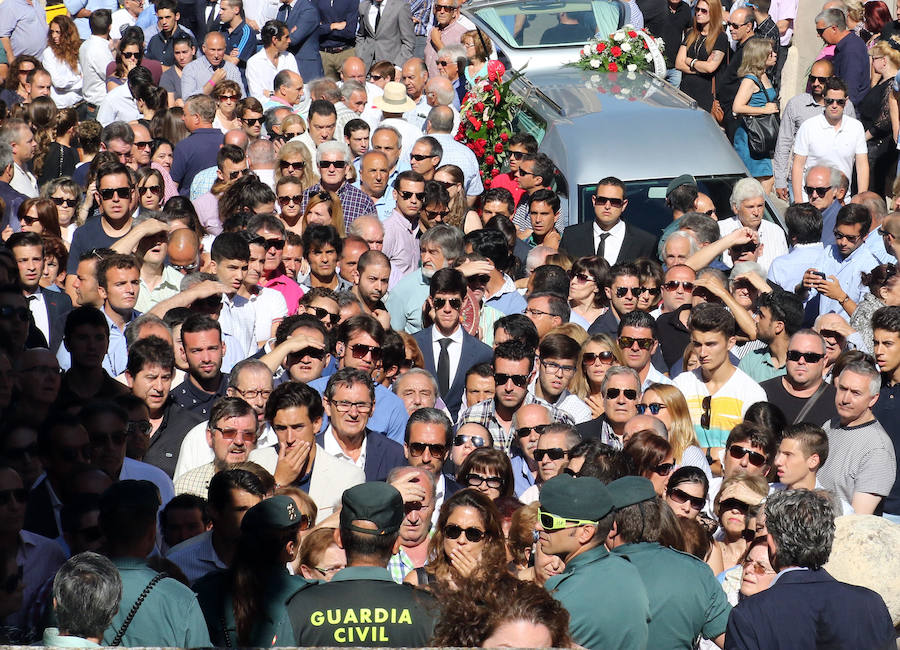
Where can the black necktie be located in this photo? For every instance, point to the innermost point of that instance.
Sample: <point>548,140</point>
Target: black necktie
<point>211,19</point>
<point>283,11</point>
<point>378,15</point>
<point>601,247</point>
<point>443,367</point>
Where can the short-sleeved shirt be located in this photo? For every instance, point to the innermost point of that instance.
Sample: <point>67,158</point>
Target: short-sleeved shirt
<point>163,49</point>
<point>195,153</point>
<point>727,406</point>
<point>87,236</point>
<point>822,411</point>
<point>401,245</point>
<point>860,459</point>
<point>760,366</point>
<point>25,25</point>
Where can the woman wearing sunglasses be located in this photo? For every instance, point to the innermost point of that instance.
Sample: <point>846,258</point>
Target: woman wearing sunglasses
<point>227,94</point>
<point>39,215</point>
<point>150,189</point>
<point>66,196</point>
<point>735,506</point>
<point>587,297</point>
<point>129,55</point>
<point>652,458</point>
<point>598,354</point>
<point>687,491</point>
<point>294,160</point>
<point>468,544</point>
<point>489,471</point>
<point>667,404</point>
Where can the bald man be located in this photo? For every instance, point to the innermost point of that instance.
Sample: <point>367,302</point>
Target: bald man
<point>353,69</point>
<point>201,75</point>
<point>414,75</point>
<point>890,232</point>
<point>184,251</point>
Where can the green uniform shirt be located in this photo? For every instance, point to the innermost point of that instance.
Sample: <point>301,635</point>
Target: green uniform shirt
<point>169,616</point>
<point>606,599</point>
<point>362,606</point>
<point>686,600</point>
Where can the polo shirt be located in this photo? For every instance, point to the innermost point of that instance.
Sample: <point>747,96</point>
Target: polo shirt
<point>195,153</point>
<point>168,286</point>
<point>163,49</point>
<point>822,144</point>
<point>759,365</point>
<point>25,25</point>
<point>243,39</point>
<point>189,396</point>
<point>887,410</point>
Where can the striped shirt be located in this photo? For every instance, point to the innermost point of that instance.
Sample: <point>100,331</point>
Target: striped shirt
<point>860,459</point>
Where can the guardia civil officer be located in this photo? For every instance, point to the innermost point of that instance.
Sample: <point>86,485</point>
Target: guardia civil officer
<point>685,598</point>
<point>603,592</point>
<point>362,605</point>
<point>245,605</point>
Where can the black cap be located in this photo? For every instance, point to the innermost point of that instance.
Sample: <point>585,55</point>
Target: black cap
<point>584,497</point>
<point>630,490</point>
<point>375,501</point>
<point>131,495</point>
<point>276,512</point>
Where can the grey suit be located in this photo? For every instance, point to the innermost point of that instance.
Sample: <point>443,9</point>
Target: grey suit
<point>395,38</point>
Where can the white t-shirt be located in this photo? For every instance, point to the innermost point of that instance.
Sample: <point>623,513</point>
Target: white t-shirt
<point>823,145</point>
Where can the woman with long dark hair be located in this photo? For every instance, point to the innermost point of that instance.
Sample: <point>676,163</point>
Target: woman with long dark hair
<point>129,55</point>
<point>703,52</point>
<point>60,158</point>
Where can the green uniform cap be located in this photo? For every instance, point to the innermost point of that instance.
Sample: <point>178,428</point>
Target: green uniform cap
<point>576,498</point>
<point>279,511</point>
<point>629,490</point>
<point>684,179</point>
<point>377,502</point>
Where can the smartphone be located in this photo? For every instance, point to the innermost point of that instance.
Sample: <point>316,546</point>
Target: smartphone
<point>820,274</point>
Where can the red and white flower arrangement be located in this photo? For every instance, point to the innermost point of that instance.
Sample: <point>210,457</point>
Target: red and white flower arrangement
<point>626,50</point>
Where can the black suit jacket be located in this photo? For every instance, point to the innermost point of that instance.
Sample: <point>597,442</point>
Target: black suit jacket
<point>578,241</point>
<point>58,307</point>
<point>810,610</point>
<point>39,516</point>
<point>382,455</point>
<point>473,353</point>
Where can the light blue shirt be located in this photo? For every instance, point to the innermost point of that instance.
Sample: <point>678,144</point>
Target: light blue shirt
<point>405,300</point>
<point>203,182</point>
<point>116,357</point>
<point>654,376</point>
<point>199,71</point>
<point>508,299</point>
<point>875,244</point>
<point>26,27</point>
<point>461,156</point>
<point>388,417</point>
<point>522,476</point>
<point>84,29</point>
<point>386,204</point>
<point>787,270</point>
<point>848,272</point>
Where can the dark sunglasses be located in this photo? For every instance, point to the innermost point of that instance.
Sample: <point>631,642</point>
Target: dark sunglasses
<point>475,480</point>
<point>19,494</point>
<point>277,244</point>
<point>479,279</point>
<point>664,469</point>
<point>524,432</point>
<point>621,292</point>
<point>28,220</point>
<point>629,341</point>
<point>435,214</point>
<point>581,277</point>
<point>419,157</point>
<point>122,192</point>
<point>653,291</point>
<point>447,8</point>
<point>315,353</point>
<point>629,393</point>
<point>818,191</point>
<point>734,504</point>
<point>737,25</point>
<point>337,164</point>
<point>706,416</point>
<point>603,200</point>
<point>680,496</point>
<point>455,303</point>
<point>756,459</point>
<point>519,380</point>
<point>69,203</point>
<point>739,249</point>
<point>809,357</point>
<point>418,448</point>
<point>252,121</point>
<point>359,351</point>
<point>131,55</point>
<point>832,100</point>
<point>228,97</point>
<point>554,453</point>
<point>460,440</point>
<point>452,531</point>
<point>150,189</point>
<point>443,64</point>
<point>672,285</point>
<point>375,77</point>
<point>408,195</point>
<point>590,357</point>
<point>517,155</point>
<point>814,78</point>
<point>144,144</point>
<point>654,408</point>
<point>298,166</point>
<point>237,173</point>
<point>287,200</point>
<point>838,235</point>
<point>321,313</point>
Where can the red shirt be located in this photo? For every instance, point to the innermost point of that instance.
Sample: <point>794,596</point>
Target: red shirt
<point>508,181</point>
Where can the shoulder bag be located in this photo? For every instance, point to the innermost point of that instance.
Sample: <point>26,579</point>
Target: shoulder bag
<point>762,130</point>
<point>717,111</point>
<point>134,610</point>
<point>810,403</point>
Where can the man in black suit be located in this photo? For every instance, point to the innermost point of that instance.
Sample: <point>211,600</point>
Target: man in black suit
<point>448,349</point>
<point>349,399</point>
<point>429,436</point>
<point>608,236</point>
<point>48,308</point>
<point>805,607</point>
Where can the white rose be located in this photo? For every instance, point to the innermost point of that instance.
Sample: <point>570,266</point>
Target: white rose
<point>595,63</point>
<point>648,57</point>
<point>626,47</point>
<point>619,36</point>
<point>632,67</point>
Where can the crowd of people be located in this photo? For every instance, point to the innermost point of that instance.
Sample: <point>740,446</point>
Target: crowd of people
<point>278,367</point>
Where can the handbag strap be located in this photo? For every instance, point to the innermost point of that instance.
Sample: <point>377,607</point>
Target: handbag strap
<point>757,81</point>
<point>117,640</point>
<point>810,403</point>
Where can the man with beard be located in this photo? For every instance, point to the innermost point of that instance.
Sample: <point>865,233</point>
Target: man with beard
<point>374,270</point>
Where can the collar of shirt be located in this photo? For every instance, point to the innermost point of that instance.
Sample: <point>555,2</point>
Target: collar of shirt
<point>616,231</point>
<point>456,337</point>
<point>201,395</point>
<point>397,216</point>
<point>333,447</point>
<point>825,125</point>
<point>788,570</point>
<point>363,573</point>
<point>508,287</point>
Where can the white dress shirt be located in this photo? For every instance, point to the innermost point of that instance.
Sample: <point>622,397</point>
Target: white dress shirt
<point>261,73</point>
<point>613,242</point>
<point>118,107</point>
<point>39,310</point>
<point>454,350</point>
<point>24,182</point>
<point>333,447</point>
<point>93,57</point>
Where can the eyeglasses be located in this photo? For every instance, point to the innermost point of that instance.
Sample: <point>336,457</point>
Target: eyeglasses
<point>287,200</point>
<point>254,393</point>
<point>231,434</point>
<point>8,311</point>
<point>756,459</point>
<point>455,303</point>
<point>290,134</point>
<point>706,416</point>
<point>116,439</point>
<point>664,469</point>
<point>517,155</point>
<point>524,432</point>
<point>818,191</point>
<point>838,235</point>
<point>435,449</point>
<point>629,393</point>
<point>359,351</point>
<point>833,100</point>
<point>226,98</point>
<point>313,353</point>
<point>150,189</point>
<point>17,494</point>
<point>821,80</point>
<point>537,312</point>
<point>583,278</point>
<point>734,504</point>
<point>809,357</point>
<point>672,285</point>
<point>343,406</point>
<point>628,341</point>
<point>589,358</point>
<point>141,427</point>
<point>186,268</point>
<point>122,192</point>
<point>519,380</point>
<point>554,453</point>
<point>296,166</point>
<point>523,172</point>
<point>277,244</point>
<point>612,200</point>
<point>551,522</point>
<point>443,64</point>
<point>131,55</point>
<point>621,292</point>
<point>337,164</point>
<point>326,571</point>
<point>406,196</point>
<point>252,121</point>
<point>69,203</point>
<point>477,441</point>
<point>700,10</point>
<point>475,480</point>
<point>555,368</point>
<point>321,313</point>
<point>680,496</point>
<point>13,581</point>
<point>756,568</point>
<point>474,535</point>
<point>653,407</point>
<point>446,184</point>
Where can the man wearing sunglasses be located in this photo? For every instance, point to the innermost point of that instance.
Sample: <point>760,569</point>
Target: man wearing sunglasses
<point>429,437</point>
<point>529,422</point>
<point>439,125</point>
<point>637,338</point>
<point>621,389</point>
<point>200,149</point>
<point>271,232</point>
<point>741,28</point>
<point>749,450</point>
<point>832,139</point>
<point>576,516</point>
<point>332,159</point>
<point>401,244</point>
<point>802,389</point>
<point>536,172</point>
<point>686,600</point>
<point>622,293</point>
<point>517,147</point>
<point>551,456</point>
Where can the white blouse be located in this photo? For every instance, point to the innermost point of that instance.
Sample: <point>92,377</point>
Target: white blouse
<point>66,88</point>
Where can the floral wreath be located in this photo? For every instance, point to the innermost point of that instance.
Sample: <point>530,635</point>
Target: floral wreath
<point>626,50</point>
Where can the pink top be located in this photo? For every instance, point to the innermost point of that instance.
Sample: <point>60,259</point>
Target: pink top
<point>289,289</point>
<point>170,189</point>
<point>207,207</point>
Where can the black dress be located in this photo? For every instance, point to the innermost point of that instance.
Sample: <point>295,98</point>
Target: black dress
<point>699,86</point>
<point>60,161</point>
<point>874,114</point>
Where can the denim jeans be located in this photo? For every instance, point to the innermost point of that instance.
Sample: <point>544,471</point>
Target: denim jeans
<point>673,76</point>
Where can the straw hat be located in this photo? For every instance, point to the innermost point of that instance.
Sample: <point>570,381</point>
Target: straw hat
<point>394,99</point>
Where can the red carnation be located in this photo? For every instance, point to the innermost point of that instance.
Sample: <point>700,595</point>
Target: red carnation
<point>498,148</point>
<point>632,34</point>
<point>615,50</point>
<point>479,107</point>
<point>504,136</point>
<point>646,47</point>
<point>489,159</point>
<point>495,172</point>
<point>613,67</point>
<point>601,47</point>
<point>490,124</point>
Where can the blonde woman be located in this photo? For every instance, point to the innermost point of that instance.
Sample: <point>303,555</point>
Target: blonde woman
<point>736,506</point>
<point>598,354</point>
<point>66,195</point>
<point>452,178</point>
<point>294,160</point>
<point>755,96</point>
<point>667,404</point>
<point>289,192</point>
